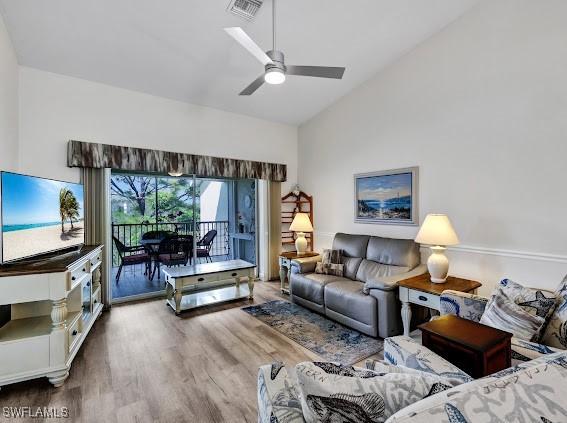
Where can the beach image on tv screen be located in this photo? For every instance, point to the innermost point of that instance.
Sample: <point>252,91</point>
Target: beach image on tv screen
<point>39,215</point>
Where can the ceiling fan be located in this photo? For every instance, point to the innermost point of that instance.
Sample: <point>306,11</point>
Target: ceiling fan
<point>274,63</point>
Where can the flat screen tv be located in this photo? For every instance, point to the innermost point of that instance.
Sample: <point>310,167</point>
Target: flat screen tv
<point>39,216</point>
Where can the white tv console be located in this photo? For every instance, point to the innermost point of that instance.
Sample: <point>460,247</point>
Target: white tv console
<point>54,303</point>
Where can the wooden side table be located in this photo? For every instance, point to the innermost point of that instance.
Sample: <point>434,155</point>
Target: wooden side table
<point>285,260</point>
<point>420,290</point>
<point>477,349</point>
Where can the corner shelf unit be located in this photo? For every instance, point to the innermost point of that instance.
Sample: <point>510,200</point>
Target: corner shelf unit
<point>291,205</point>
<point>53,306</point>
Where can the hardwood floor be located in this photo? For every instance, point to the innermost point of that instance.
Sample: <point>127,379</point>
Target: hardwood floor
<point>141,363</point>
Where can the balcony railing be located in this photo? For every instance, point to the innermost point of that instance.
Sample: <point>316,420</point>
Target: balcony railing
<point>130,234</point>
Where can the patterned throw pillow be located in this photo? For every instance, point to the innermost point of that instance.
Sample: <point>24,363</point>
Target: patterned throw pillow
<point>337,393</point>
<point>555,335</point>
<point>332,256</point>
<point>330,263</point>
<point>536,302</point>
<point>520,310</point>
<point>503,313</point>
<point>330,269</point>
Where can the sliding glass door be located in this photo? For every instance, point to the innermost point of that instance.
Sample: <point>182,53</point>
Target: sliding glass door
<point>217,215</point>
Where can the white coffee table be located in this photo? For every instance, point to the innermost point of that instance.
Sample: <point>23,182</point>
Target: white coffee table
<point>189,287</point>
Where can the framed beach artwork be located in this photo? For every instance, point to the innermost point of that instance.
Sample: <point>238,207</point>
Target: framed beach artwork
<point>387,197</point>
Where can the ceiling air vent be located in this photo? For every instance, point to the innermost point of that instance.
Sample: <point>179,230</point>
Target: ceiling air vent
<point>246,9</point>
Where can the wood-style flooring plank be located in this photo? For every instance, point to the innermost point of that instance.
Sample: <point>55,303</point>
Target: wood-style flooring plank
<point>141,363</point>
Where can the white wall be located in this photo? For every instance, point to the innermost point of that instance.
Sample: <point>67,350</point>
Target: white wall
<point>8,102</point>
<point>213,201</point>
<point>481,108</point>
<point>56,108</point>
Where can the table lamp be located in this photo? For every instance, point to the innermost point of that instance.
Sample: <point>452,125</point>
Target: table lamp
<point>437,232</point>
<point>300,225</point>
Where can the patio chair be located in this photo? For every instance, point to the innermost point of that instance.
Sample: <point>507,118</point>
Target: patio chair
<point>130,256</point>
<point>186,246</point>
<point>174,250</point>
<point>204,245</point>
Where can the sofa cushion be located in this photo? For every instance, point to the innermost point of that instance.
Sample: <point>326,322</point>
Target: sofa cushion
<point>374,272</point>
<point>351,265</point>
<point>346,297</point>
<point>383,367</point>
<point>555,335</point>
<point>333,392</point>
<point>394,252</point>
<point>351,245</point>
<point>311,286</point>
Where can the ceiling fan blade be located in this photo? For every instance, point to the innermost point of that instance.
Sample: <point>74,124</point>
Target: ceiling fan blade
<point>245,41</point>
<point>316,71</point>
<point>251,89</point>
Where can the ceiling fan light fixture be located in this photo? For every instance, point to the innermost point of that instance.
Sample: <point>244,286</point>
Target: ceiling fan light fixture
<point>275,69</point>
<point>175,174</point>
<point>274,76</point>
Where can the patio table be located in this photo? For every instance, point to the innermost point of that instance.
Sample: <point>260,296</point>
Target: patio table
<point>152,248</point>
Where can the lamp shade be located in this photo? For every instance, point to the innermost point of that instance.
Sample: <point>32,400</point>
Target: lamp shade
<point>437,230</point>
<point>301,223</point>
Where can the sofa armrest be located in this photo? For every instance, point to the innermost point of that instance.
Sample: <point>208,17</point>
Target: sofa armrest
<point>388,283</point>
<point>278,397</point>
<point>404,351</point>
<point>305,264</point>
<point>461,304</point>
<point>526,350</point>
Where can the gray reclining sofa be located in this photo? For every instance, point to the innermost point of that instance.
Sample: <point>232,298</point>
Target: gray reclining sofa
<point>366,298</point>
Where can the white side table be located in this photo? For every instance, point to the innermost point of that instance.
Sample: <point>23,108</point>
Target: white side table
<point>285,260</point>
<point>420,290</point>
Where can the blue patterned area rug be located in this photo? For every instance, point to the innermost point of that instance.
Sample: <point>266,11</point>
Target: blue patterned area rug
<point>329,340</point>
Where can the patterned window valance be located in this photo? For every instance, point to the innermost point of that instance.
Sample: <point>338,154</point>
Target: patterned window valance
<point>94,155</point>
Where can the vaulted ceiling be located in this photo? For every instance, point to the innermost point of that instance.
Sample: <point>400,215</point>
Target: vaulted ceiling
<point>177,48</point>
